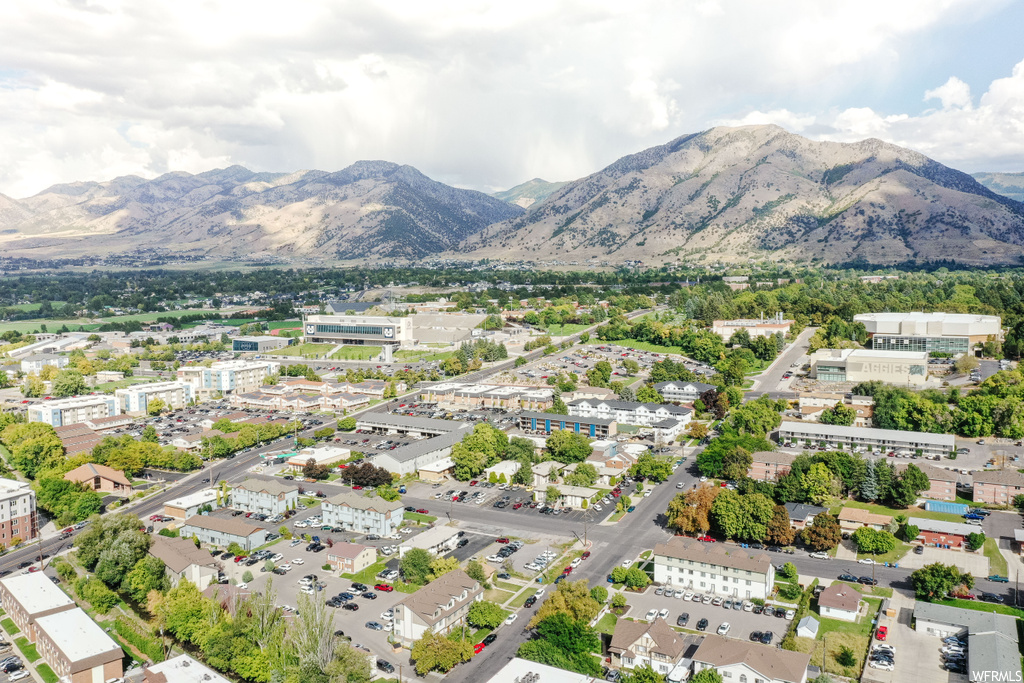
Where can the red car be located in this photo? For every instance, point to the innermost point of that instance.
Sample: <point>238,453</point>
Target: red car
<point>585,554</point>
<point>357,487</point>
<point>502,540</point>
<point>383,587</point>
<point>478,648</point>
<point>705,539</point>
<point>422,511</point>
<point>239,558</point>
<point>882,632</point>
<point>71,530</point>
<point>517,506</point>
<point>615,494</point>
<point>567,570</point>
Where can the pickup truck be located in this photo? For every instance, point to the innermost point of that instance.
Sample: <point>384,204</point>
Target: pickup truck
<point>999,579</point>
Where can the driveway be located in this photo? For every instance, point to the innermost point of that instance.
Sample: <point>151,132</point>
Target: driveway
<point>975,563</point>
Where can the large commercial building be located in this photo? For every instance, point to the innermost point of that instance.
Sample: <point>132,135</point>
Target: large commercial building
<point>545,423</point>
<point>135,400</point>
<point>260,344</point>
<point>756,327</point>
<point>357,330</point>
<point>865,365</point>
<point>70,411</point>
<point>228,377</point>
<point>473,396</point>
<point>17,511</point>
<point>880,441</point>
<point>944,332</point>
<point>713,568</point>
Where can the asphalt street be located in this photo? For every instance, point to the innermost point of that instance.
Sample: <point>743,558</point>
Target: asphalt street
<point>770,382</point>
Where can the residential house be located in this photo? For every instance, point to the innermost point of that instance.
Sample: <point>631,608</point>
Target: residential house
<point>997,487</point>
<point>101,478</point>
<point>437,607</point>
<point>630,412</point>
<point>740,661</point>
<point>351,558</point>
<point>801,515</point>
<point>636,644</point>
<point>183,560</point>
<point>223,531</point>
<point>839,601</point>
<point>713,568</point>
<point>851,519</point>
<point>267,496</point>
<point>363,515</point>
<point>770,465</point>
<point>812,404</point>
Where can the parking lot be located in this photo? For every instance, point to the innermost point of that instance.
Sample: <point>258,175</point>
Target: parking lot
<point>917,657</point>
<point>742,623</point>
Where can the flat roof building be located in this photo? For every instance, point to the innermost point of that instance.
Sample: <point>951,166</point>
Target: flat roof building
<point>437,541</point>
<point>713,568</point>
<point>865,365</point>
<point>916,331</point>
<point>259,344</point>
<point>878,441</point>
<point>69,411</point>
<point>135,400</point>
<point>189,505</point>
<point>992,652</point>
<point>77,649</point>
<point>28,597</point>
<point>228,377</point>
<point>181,669</point>
<point>357,330</point>
<point>755,327</point>
<point>545,423</point>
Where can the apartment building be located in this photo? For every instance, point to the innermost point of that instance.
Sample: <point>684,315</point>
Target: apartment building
<point>738,660</point>
<point>859,440</point>
<point>77,649</point>
<point>630,412</point>
<point>770,465</point>
<point>363,515</point>
<point>545,423</point>
<point>997,487</point>
<point>678,391</point>
<point>437,607</point>
<point>70,411</point>
<point>851,519</point>
<point>28,597</point>
<point>813,403</point>
<point>476,396</point>
<point>17,512</point>
<point>135,400</point>
<point>223,531</point>
<point>36,362</point>
<point>636,644</point>
<point>755,327</point>
<point>713,568</point>
<point>227,377</point>
<point>266,496</point>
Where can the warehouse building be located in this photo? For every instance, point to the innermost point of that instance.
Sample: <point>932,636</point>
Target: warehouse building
<point>135,400</point>
<point>190,505</point>
<point>755,327</point>
<point>865,365</point>
<point>70,411</point>
<point>945,332</point>
<point>878,441</point>
<point>545,423</point>
<point>992,651</point>
<point>357,330</point>
<point>259,344</point>
<point>418,455</point>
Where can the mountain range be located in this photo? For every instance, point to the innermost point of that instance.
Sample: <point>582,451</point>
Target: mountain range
<point>722,195</point>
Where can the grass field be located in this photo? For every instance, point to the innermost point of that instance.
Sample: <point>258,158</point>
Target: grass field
<point>641,346</point>
<point>284,324</point>
<point>29,326</point>
<point>497,596</point>
<point>368,575</point>
<point>422,519</point>
<point>46,673</point>
<point>9,626</point>
<point>892,512</point>
<point>151,317</point>
<point>27,649</point>
<point>304,350</point>
<point>356,353</point>
<point>835,635</point>
<point>424,355</point>
<point>565,330</point>
<point>607,624</point>
<point>879,591</point>
<point>996,561</point>
<point>122,383</point>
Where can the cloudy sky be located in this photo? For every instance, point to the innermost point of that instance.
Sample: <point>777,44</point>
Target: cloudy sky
<point>488,94</point>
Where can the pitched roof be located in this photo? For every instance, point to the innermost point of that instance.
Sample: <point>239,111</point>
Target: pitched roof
<point>347,550</point>
<point>90,470</point>
<point>667,641</point>
<point>439,592</point>
<point>840,596</point>
<point>801,511</point>
<point>271,486</point>
<point>222,524</point>
<point>770,662</point>
<point>713,553</point>
<point>1002,477</point>
<point>931,471</point>
<point>363,503</point>
<point>179,553</point>
<point>848,514</point>
<point>773,457</point>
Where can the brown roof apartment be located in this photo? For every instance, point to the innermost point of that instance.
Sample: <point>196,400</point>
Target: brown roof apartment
<point>732,656</point>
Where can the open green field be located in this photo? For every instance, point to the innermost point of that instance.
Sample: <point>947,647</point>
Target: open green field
<point>892,512</point>
<point>979,606</point>
<point>284,324</point>
<point>304,350</point>
<point>356,353</point>
<point>368,575</point>
<point>122,383</point>
<point>33,307</point>
<point>422,355</point>
<point>151,317</point>
<point>29,326</point>
<point>996,561</point>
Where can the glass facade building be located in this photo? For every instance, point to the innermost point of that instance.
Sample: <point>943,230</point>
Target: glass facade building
<point>943,344</point>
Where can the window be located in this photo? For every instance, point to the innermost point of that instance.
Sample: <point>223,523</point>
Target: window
<point>743,678</point>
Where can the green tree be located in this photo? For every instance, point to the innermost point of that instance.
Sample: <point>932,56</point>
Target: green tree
<point>247,576</point>
<point>484,614</point>
<point>650,467</point>
<point>975,541</point>
<point>779,532</point>
<point>435,652</point>
<point>155,407</point>
<point>347,424</point>
<point>571,597</point>
<point>788,571</point>
<point>585,474</point>
<point>637,579</point>
<point>475,571</point>
<point>909,532</point>
<point>571,636</point>
<point>707,676</point>
<point>149,434</point>
<point>568,447</point>
<point>599,593</point>
<point>823,533</point>
<point>873,541</point>
<point>147,575</point>
<point>440,566</point>
<point>819,485</point>
<point>643,674</point>
<point>415,566</point>
<point>648,394</point>
<point>935,580</point>
<point>69,383</point>
<point>839,414</point>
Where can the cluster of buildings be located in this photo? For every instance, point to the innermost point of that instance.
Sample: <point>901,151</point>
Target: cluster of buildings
<point>478,396</point>
<point>306,395</point>
<point>133,400</point>
<point>667,420</point>
<point>755,327</point>
<point>72,644</point>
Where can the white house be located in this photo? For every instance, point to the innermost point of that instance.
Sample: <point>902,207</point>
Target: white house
<point>636,644</point>
<point>744,662</point>
<point>839,601</point>
<point>682,392</point>
<point>437,607</point>
<point>630,412</point>
<point>268,496</point>
<point>713,568</point>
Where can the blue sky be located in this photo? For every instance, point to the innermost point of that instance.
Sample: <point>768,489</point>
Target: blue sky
<point>487,94</point>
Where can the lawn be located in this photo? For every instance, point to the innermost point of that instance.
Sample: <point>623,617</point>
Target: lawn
<point>47,674</point>
<point>305,350</point>
<point>565,330</point>
<point>52,325</point>
<point>9,626</point>
<point>355,353</point>
<point>895,555</point>
<point>880,591</point>
<point>835,634</point>
<point>980,606</point>
<point>909,512</point>
<point>284,324</point>
<point>368,575</point>
<point>521,599</point>
<point>27,649</point>
<point>411,355</point>
<point>422,519</point>
<point>996,561</point>
<point>122,383</point>
<point>497,596</point>
<point>607,624</point>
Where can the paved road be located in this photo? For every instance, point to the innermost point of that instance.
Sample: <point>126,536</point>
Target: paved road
<point>768,382</point>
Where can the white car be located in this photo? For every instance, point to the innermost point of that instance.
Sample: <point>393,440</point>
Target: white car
<point>884,666</point>
<point>651,615</point>
<point>703,478</point>
<point>388,616</point>
<point>627,563</point>
<point>575,563</point>
<point>748,606</point>
<point>298,560</point>
<point>295,542</point>
<point>688,595</point>
<point>663,614</point>
<point>242,586</point>
<point>679,594</point>
<point>790,614</point>
<point>300,525</point>
<point>866,560</point>
<point>307,590</point>
<point>286,567</point>
<point>495,558</point>
<point>819,556</point>
<point>511,619</point>
<point>724,628</point>
<point>883,648</point>
<point>18,675</point>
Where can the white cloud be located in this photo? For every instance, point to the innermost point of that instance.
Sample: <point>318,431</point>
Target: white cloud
<point>478,94</point>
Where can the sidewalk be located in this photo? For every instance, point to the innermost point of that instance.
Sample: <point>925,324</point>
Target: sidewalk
<point>846,551</point>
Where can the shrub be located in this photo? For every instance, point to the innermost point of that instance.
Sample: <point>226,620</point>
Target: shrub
<point>618,601</point>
